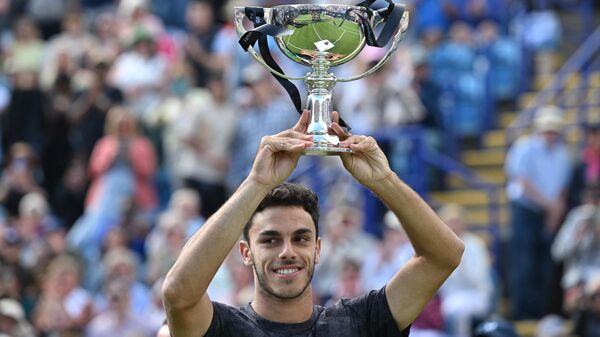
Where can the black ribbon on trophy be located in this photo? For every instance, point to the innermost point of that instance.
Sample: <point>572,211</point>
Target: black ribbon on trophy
<point>392,15</point>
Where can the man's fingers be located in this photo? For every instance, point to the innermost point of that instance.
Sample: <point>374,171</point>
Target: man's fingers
<point>358,143</point>
<point>290,133</point>
<point>335,126</point>
<point>303,122</point>
<point>276,144</point>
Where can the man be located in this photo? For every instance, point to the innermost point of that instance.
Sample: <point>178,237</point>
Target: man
<point>281,243</point>
<point>538,168</point>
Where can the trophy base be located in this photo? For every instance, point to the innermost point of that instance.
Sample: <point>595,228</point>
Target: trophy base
<point>325,150</point>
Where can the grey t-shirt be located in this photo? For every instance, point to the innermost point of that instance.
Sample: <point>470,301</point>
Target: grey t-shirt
<point>367,315</point>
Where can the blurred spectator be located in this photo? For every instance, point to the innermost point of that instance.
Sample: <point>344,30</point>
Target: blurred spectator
<point>264,112</point>
<point>57,149</point>
<point>345,240</point>
<point>200,42</point>
<point>503,56</point>
<point>106,28</point>
<point>23,120</point>
<point>48,14</point>
<point>135,16</point>
<point>467,293</point>
<point>16,281</point>
<point>587,322</point>
<point>169,238</point>
<point>349,284</point>
<point>18,178</point>
<point>122,167</point>
<point>430,322</point>
<point>12,319</point>
<point>64,307</point>
<point>121,264</point>
<point>577,244</point>
<point>89,109</point>
<point>197,151</point>
<point>140,73</point>
<point>27,50</point>
<point>119,319</point>
<point>393,251</point>
<point>537,203</point>
<point>187,203</point>
<point>453,68</point>
<point>68,51</point>
<point>587,168</point>
<point>36,225</point>
<point>470,11</point>
<point>68,198</point>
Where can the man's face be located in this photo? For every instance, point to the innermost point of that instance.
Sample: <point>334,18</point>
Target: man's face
<point>283,251</point>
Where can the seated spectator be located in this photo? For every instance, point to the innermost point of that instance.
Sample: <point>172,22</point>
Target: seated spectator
<point>12,319</point>
<point>27,50</point>
<point>587,321</point>
<point>577,244</point>
<point>504,61</point>
<point>63,307</point>
<point>167,240</point>
<point>393,251</point>
<point>344,239</point>
<point>467,293</point>
<point>119,319</point>
<point>122,264</point>
<point>18,178</point>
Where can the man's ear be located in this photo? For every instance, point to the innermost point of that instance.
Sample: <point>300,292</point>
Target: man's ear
<point>246,253</point>
<point>318,251</point>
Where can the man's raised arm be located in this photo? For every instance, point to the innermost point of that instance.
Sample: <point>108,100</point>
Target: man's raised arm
<point>438,250</point>
<point>189,310</point>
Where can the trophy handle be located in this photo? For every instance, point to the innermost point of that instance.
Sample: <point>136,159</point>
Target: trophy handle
<point>239,15</point>
<point>397,38</point>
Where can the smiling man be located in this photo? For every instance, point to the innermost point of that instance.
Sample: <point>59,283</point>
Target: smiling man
<point>280,242</point>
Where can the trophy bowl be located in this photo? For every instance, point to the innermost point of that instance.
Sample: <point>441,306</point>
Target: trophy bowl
<point>321,37</point>
<point>313,31</point>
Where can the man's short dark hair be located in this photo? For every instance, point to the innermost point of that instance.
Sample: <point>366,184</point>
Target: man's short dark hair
<point>288,194</point>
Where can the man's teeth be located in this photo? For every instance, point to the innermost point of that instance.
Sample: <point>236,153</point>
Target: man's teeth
<point>286,271</point>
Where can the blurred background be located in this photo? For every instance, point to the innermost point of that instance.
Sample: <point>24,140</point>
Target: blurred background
<point>125,124</point>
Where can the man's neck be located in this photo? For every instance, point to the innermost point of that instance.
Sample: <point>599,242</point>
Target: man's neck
<point>297,310</point>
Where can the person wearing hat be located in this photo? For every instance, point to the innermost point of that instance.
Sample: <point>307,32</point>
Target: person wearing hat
<point>12,319</point>
<point>538,167</point>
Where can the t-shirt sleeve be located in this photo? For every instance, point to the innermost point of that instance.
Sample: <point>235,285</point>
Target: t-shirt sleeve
<point>223,317</point>
<point>373,307</point>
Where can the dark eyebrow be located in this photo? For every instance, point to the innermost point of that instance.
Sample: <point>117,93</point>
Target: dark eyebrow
<point>302,231</point>
<point>269,233</point>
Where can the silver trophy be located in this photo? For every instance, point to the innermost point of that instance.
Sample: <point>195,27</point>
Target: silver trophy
<point>319,36</point>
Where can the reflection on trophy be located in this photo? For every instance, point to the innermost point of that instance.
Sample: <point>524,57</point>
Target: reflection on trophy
<point>320,36</point>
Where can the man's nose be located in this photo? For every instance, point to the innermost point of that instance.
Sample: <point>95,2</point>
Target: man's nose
<point>287,251</point>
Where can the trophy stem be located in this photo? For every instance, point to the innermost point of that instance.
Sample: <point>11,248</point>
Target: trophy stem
<point>320,84</point>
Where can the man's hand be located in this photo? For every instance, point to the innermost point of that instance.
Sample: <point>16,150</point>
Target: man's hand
<point>278,155</point>
<point>367,163</point>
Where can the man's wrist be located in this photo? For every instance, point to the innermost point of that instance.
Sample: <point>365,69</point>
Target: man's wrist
<point>383,183</point>
<point>254,185</point>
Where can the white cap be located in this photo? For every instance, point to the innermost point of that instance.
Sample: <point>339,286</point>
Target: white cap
<point>11,308</point>
<point>548,118</point>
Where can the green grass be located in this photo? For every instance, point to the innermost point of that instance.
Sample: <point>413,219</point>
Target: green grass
<point>344,35</point>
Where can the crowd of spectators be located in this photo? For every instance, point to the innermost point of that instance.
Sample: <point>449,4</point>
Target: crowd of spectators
<point>125,124</point>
